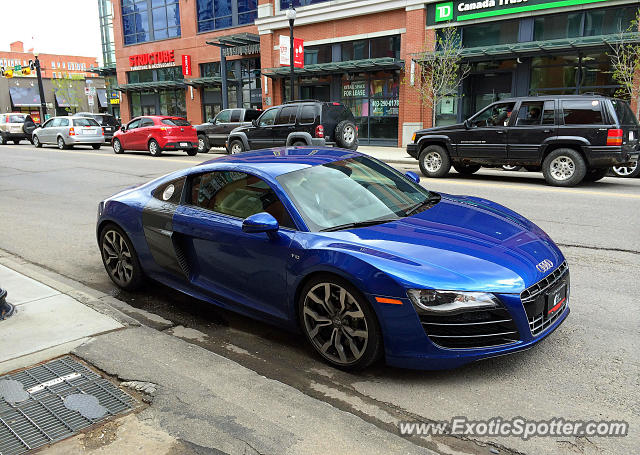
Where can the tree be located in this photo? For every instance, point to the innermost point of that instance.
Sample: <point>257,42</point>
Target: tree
<point>71,90</point>
<point>625,62</point>
<point>441,70</point>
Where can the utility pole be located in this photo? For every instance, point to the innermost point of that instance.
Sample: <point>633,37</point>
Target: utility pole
<point>43,102</point>
<point>291,15</point>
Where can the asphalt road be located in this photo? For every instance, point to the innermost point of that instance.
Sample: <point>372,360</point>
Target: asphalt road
<point>587,370</point>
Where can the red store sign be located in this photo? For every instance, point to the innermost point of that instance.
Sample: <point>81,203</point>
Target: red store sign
<point>152,58</point>
<point>186,65</point>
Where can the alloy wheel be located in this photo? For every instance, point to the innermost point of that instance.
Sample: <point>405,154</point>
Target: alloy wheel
<point>335,323</point>
<point>117,257</point>
<point>624,171</point>
<point>153,147</point>
<point>200,145</point>
<point>60,143</point>
<point>562,168</point>
<point>116,146</point>
<point>348,134</point>
<point>433,161</point>
<point>235,149</point>
<point>36,141</point>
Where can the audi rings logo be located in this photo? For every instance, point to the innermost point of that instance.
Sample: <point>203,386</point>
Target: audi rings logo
<point>545,266</point>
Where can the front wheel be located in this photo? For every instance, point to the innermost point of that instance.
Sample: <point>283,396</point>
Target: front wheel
<point>154,148</point>
<point>117,147</point>
<point>36,141</point>
<point>95,146</point>
<point>434,161</point>
<point>466,169</point>
<point>203,144</point>
<point>564,167</point>
<point>236,147</point>
<point>633,170</point>
<point>120,258</point>
<point>340,323</point>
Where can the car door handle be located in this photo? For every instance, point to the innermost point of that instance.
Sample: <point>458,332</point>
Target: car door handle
<point>500,131</point>
<point>546,131</point>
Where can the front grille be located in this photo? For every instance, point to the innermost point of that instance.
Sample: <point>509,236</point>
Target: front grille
<point>472,329</point>
<point>534,300</point>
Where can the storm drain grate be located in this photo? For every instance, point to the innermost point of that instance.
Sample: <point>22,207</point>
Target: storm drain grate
<point>45,416</point>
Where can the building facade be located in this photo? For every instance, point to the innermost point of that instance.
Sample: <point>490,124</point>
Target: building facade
<point>195,57</point>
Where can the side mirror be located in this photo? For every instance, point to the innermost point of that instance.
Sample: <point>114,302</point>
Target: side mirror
<point>123,128</point>
<point>467,124</point>
<point>412,176</point>
<point>211,120</point>
<point>254,122</point>
<point>260,222</point>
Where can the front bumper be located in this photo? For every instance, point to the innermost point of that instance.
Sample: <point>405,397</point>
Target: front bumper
<point>412,150</point>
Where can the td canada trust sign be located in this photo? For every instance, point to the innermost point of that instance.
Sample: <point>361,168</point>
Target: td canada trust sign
<point>464,10</point>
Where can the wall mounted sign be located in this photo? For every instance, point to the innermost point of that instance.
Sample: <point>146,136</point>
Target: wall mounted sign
<point>160,59</point>
<point>464,10</point>
<point>186,65</point>
<point>249,49</point>
<point>285,53</point>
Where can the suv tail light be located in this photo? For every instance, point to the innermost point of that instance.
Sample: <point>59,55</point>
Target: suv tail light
<point>319,131</point>
<point>614,137</point>
<point>72,132</point>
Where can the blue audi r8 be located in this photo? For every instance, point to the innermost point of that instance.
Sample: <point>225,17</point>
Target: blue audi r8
<point>344,249</point>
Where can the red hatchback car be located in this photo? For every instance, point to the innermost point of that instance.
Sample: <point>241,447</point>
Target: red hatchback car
<point>156,133</point>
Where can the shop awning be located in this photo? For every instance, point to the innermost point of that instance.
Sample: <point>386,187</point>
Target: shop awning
<point>239,39</point>
<point>146,86</point>
<point>102,97</point>
<point>62,101</point>
<point>206,81</point>
<point>549,46</point>
<point>107,70</point>
<point>24,96</point>
<point>350,66</point>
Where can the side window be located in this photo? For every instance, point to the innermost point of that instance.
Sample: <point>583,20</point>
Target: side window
<point>582,112</point>
<point>48,123</point>
<point>250,115</point>
<point>63,122</point>
<point>268,118</point>
<point>224,116</point>
<point>287,115</point>
<point>549,113</point>
<point>494,116</point>
<point>237,194</point>
<point>308,114</point>
<point>530,113</point>
<point>235,115</point>
<point>146,122</point>
<point>170,192</point>
<point>133,124</point>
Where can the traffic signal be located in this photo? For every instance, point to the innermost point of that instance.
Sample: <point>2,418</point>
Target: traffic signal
<point>8,73</point>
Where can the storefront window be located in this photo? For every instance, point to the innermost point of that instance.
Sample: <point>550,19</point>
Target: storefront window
<point>557,26</point>
<point>318,54</point>
<point>490,34</point>
<point>569,74</point>
<point>218,14</point>
<point>605,21</point>
<point>355,50</point>
<point>386,46</point>
<point>150,20</point>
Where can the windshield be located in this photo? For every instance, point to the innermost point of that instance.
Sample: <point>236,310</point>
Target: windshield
<point>16,119</point>
<point>351,192</point>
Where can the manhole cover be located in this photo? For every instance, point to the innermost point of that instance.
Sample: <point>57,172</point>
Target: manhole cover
<point>53,401</point>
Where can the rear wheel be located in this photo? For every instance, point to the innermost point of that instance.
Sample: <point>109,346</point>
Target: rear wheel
<point>61,143</point>
<point>626,171</point>
<point>36,141</point>
<point>564,167</point>
<point>339,323</point>
<point>236,147</point>
<point>117,146</point>
<point>120,258</point>
<point>203,144</point>
<point>434,161</point>
<point>154,148</point>
<point>593,175</point>
<point>345,134</point>
<point>95,146</point>
<point>466,169</point>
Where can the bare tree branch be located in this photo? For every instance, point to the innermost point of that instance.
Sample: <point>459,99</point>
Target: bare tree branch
<point>625,62</point>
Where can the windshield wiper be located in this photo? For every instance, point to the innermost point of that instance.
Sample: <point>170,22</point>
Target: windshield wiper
<point>358,224</point>
<point>433,199</point>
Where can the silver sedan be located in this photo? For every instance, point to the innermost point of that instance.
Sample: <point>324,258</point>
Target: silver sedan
<point>65,132</point>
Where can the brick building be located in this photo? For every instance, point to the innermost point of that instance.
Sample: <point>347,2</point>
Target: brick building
<point>51,65</point>
<point>357,52</point>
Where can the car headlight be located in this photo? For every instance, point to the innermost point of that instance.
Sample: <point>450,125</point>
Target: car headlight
<point>448,302</point>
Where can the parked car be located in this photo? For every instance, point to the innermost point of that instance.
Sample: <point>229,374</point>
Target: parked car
<point>108,123</point>
<point>215,132</point>
<point>67,132</point>
<point>16,127</point>
<point>156,133</point>
<point>394,271</point>
<point>306,122</point>
<point>570,138</point>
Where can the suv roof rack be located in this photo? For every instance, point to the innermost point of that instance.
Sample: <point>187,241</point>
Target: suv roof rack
<point>304,101</point>
<point>591,94</point>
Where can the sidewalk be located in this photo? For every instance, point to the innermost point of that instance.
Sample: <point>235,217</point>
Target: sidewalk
<point>394,155</point>
<point>201,402</point>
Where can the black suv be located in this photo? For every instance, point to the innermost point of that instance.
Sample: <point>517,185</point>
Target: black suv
<point>215,132</point>
<point>569,138</point>
<point>107,121</point>
<point>306,122</point>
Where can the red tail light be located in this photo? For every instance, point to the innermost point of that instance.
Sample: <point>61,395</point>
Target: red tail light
<point>614,137</point>
<point>102,131</point>
<point>72,132</point>
<point>320,131</point>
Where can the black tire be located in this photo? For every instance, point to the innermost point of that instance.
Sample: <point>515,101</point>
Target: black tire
<point>564,167</point>
<point>434,161</point>
<point>466,169</point>
<point>96,146</point>
<point>299,144</point>
<point>626,171</point>
<point>593,175</point>
<point>236,146</point>
<point>346,135</point>
<point>117,147</point>
<point>192,152</point>
<point>16,141</point>
<point>136,278</point>
<point>203,144</point>
<point>344,326</point>
<point>61,143</point>
<point>3,140</point>
<point>154,148</point>
<point>36,141</point>
<point>533,168</point>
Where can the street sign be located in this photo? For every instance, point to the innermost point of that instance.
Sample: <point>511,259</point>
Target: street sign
<point>86,91</point>
<point>90,100</point>
<point>92,91</point>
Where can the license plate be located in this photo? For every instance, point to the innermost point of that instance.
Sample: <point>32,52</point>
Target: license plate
<point>89,131</point>
<point>556,299</point>
<point>184,144</point>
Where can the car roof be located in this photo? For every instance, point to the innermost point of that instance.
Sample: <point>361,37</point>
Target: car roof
<point>282,160</point>
<point>551,97</point>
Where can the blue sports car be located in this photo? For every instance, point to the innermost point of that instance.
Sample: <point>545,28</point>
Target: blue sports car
<point>358,257</point>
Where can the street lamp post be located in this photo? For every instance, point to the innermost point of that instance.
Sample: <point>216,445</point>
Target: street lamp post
<point>291,15</point>
<point>43,102</point>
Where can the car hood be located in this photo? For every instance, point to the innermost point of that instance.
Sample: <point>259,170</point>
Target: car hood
<point>437,129</point>
<point>461,243</point>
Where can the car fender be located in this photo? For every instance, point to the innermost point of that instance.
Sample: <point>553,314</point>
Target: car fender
<point>242,136</point>
<point>566,140</point>
<point>299,135</point>
<point>436,138</point>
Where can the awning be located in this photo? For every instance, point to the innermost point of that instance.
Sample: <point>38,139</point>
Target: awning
<point>350,66</point>
<point>24,96</point>
<point>102,97</point>
<point>107,70</point>
<point>146,86</point>
<point>206,81</point>
<point>239,39</point>
<point>62,101</point>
